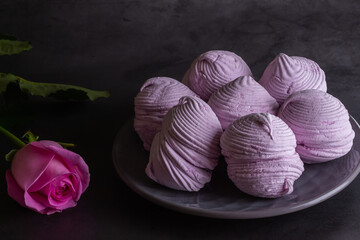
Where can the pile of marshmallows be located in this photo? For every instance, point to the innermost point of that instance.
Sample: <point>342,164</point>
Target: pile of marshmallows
<point>265,130</point>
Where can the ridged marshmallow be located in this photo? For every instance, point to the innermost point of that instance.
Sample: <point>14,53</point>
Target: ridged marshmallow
<point>320,123</point>
<point>241,97</point>
<point>286,75</point>
<point>212,70</point>
<point>259,150</point>
<point>187,148</point>
<point>157,95</point>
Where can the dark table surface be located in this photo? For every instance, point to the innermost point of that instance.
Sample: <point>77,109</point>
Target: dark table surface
<point>116,45</point>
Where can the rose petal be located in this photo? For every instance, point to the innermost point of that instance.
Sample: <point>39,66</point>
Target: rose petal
<point>47,143</point>
<point>38,202</point>
<point>38,171</point>
<point>54,169</point>
<point>75,183</point>
<point>29,163</point>
<point>19,195</point>
<point>71,194</point>
<point>76,164</point>
<point>50,211</point>
<point>42,202</point>
<point>14,190</point>
<point>69,182</point>
<point>35,201</point>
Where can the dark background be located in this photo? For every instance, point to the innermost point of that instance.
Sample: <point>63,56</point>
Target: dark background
<point>116,45</point>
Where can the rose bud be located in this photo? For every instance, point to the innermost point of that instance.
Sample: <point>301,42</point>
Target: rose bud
<point>47,178</point>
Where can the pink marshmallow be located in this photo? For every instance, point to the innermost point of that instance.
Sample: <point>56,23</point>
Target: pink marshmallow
<point>212,70</point>
<point>286,75</point>
<point>320,123</point>
<point>239,98</point>
<point>156,97</point>
<point>186,150</point>
<point>259,150</point>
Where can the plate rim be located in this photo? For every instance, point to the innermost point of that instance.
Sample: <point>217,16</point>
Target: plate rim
<point>210,213</point>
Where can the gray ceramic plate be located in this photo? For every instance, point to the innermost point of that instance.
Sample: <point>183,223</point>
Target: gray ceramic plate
<point>220,198</point>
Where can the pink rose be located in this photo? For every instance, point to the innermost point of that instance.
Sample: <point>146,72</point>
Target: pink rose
<point>46,177</point>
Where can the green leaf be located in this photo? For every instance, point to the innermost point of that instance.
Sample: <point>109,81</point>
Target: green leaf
<point>9,157</point>
<point>50,89</point>
<point>9,45</point>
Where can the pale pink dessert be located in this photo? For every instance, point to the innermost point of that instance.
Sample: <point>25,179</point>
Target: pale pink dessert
<point>239,98</point>
<point>212,70</point>
<point>259,150</point>
<point>186,150</point>
<point>320,123</point>
<point>157,95</point>
<point>286,75</point>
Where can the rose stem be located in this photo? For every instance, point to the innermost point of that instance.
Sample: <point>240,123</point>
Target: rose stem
<point>12,137</point>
